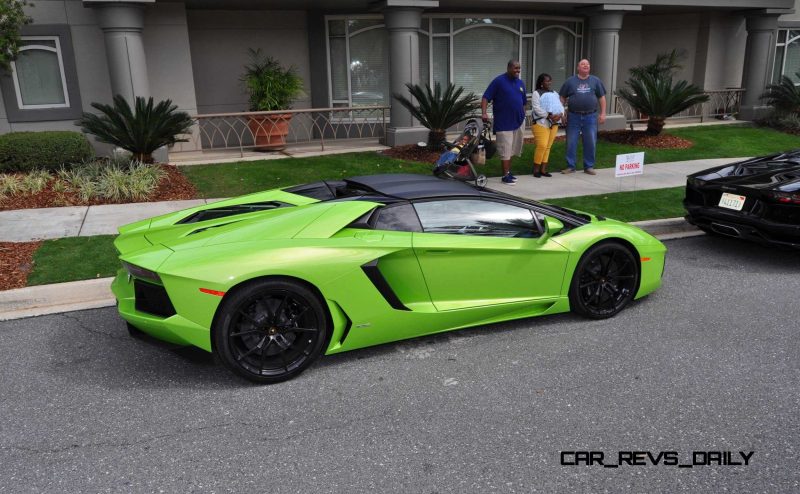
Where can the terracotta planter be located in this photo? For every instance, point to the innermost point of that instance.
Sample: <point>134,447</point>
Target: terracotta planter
<point>270,131</point>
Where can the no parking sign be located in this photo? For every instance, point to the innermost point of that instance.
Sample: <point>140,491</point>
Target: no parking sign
<point>629,164</point>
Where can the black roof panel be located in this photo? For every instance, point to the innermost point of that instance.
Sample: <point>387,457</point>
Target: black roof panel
<point>413,186</point>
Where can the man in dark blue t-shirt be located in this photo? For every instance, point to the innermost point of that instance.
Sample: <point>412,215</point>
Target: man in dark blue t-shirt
<point>508,96</point>
<point>581,95</point>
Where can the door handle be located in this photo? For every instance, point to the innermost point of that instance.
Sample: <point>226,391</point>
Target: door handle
<point>437,251</point>
<point>369,236</point>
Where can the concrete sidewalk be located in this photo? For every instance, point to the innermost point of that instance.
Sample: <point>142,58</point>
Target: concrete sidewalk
<point>655,176</point>
<point>24,225</point>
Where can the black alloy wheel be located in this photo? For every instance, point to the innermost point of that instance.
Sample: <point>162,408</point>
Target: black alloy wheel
<point>605,281</point>
<point>270,330</point>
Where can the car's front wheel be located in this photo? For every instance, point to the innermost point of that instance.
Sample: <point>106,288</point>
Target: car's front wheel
<point>271,330</point>
<point>604,281</point>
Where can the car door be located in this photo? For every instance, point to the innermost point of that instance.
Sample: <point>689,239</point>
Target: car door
<point>476,252</point>
<point>394,271</point>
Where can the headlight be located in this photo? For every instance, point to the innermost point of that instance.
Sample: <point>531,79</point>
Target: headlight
<point>139,272</point>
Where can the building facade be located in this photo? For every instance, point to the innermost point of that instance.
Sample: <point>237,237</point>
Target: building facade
<point>360,52</point>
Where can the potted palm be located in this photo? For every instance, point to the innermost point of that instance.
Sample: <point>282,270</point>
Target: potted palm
<point>270,87</point>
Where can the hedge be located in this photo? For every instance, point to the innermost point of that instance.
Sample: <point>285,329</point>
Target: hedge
<point>48,150</point>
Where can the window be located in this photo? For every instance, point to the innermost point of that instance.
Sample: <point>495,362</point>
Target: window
<point>480,52</point>
<point>555,55</point>
<point>43,82</point>
<point>468,51</point>
<point>787,56</point>
<point>476,217</point>
<point>358,53</point>
<point>38,73</point>
<point>400,218</point>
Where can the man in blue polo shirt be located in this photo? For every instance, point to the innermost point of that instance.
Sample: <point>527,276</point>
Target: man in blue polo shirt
<point>581,94</point>
<point>508,96</point>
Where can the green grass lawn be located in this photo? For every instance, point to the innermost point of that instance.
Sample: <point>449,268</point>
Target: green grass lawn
<point>714,141</point>
<point>242,177</point>
<point>629,206</point>
<point>74,258</point>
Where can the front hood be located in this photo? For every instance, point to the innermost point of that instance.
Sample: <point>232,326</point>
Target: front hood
<point>779,173</point>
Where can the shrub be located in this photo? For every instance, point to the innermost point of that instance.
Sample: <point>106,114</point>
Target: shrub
<point>115,181</point>
<point>49,150</point>
<point>270,86</point>
<point>35,181</point>
<point>783,96</point>
<point>437,110</point>
<point>12,18</point>
<point>651,91</point>
<point>10,185</point>
<point>141,129</point>
<point>785,122</point>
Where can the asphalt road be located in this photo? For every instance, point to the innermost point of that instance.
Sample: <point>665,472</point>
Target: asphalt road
<point>708,363</point>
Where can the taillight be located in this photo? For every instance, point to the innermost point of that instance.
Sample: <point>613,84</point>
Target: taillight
<point>785,197</point>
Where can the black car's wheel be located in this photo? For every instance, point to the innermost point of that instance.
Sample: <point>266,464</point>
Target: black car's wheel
<point>270,331</point>
<point>604,281</point>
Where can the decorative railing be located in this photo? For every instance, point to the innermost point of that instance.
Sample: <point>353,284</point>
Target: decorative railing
<point>721,104</point>
<point>248,130</point>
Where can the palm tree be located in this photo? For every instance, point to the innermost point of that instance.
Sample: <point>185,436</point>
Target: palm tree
<point>654,94</point>
<point>783,96</point>
<point>665,64</point>
<point>140,130</point>
<point>438,111</point>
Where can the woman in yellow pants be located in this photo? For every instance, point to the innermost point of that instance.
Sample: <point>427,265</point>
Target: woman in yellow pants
<point>546,112</point>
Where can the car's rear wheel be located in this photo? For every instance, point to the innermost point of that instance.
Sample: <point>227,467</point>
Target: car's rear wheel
<point>604,281</point>
<point>270,330</point>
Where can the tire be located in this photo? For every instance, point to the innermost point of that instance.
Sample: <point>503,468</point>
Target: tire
<point>604,282</point>
<point>270,331</point>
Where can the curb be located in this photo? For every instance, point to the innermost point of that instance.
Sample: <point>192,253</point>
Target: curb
<point>93,294</point>
<point>52,299</point>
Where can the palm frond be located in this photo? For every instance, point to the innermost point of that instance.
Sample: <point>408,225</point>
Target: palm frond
<point>438,110</point>
<point>141,129</point>
<point>783,96</point>
<point>656,96</point>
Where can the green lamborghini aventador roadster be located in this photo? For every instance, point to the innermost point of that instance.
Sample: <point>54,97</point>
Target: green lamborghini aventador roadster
<point>271,280</point>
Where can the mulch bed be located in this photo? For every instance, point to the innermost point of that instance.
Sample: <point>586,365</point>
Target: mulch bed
<point>173,186</point>
<point>640,138</point>
<point>637,138</point>
<point>16,258</point>
<point>412,152</point>
<point>16,261</point>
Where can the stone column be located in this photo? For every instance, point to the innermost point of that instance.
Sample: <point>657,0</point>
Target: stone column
<point>603,54</point>
<point>122,24</point>
<point>402,18</point>
<point>758,58</point>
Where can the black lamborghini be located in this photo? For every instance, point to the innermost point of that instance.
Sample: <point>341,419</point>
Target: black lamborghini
<point>757,199</point>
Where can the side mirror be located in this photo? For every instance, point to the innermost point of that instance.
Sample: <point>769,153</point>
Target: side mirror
<point>551,227</point>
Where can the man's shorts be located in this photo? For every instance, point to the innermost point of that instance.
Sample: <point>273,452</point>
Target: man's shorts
<point>509,143</point>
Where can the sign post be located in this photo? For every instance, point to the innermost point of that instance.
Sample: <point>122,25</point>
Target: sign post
<point>628,165</point>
